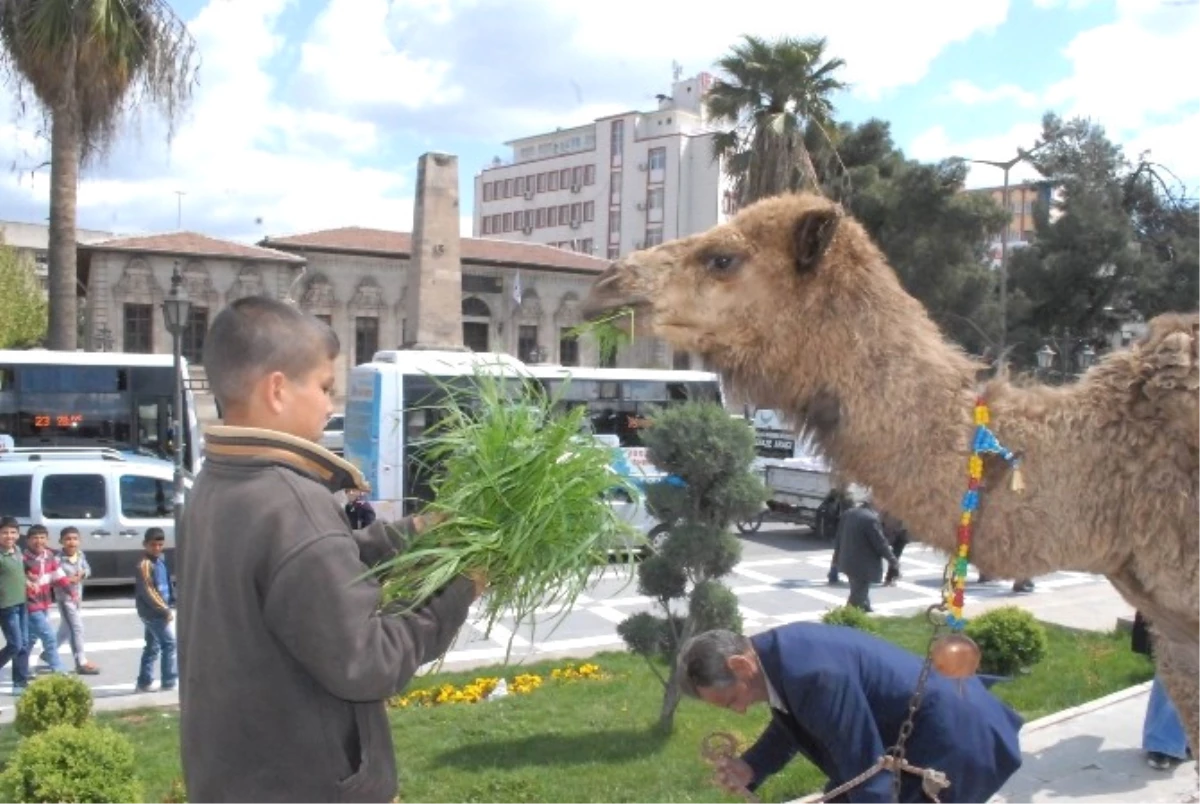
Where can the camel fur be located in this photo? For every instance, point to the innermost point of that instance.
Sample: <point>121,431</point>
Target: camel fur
<point>799,310</point>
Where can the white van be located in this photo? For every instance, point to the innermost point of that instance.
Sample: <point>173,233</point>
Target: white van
<point>111,497</point>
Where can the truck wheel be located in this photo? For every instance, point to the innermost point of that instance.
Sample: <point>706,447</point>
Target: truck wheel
<point>751,525</point>
<point>658,536</point>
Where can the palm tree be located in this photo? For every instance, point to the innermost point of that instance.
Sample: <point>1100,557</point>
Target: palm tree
<point>771,92</point>
<point>87,62</point>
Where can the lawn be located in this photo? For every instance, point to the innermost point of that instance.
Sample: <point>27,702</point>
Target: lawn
<point>595,740</point>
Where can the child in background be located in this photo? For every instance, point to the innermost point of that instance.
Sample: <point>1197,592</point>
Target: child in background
<point>75,567</point>
<point>14,614</point>
<point>43,576</point>
<point>154,597</point>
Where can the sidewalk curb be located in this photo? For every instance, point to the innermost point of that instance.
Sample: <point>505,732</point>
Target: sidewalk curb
<point>1086,708</point>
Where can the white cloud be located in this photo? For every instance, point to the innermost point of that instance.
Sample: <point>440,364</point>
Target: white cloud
<point>1152,107</point>
<point>934,144</point>
<point>355,62</point>
<point>241,156</point>
<point>884,45</point>
<point>971,94</point>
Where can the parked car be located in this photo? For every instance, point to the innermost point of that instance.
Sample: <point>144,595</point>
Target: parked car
<point>110,496</point>
<point>333,439</point>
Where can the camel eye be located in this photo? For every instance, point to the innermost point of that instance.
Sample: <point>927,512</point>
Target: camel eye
<point>721,263</point>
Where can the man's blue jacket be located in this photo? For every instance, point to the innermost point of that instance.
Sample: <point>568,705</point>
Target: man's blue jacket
<point>847,694</point>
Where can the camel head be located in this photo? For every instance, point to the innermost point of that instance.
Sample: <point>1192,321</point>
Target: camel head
<point>787,299</point>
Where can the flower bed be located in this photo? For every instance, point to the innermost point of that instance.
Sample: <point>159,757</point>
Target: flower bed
<point>481,688</point>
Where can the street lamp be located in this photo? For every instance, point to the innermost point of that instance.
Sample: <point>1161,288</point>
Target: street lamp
<point>1086,357</point>
<point>176,308</point>
<point>1045,357</point>
<point>1006,167</point>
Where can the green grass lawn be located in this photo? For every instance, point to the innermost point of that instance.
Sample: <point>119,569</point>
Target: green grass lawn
<point>596,740</point>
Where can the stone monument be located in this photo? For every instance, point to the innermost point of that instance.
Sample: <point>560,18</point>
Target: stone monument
<point>433,297</point>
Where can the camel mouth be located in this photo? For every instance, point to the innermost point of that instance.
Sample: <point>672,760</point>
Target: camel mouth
<point>604,306</point>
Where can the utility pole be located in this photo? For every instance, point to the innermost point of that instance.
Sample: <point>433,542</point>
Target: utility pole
<point>1006,167</point>
<point>179,210</point>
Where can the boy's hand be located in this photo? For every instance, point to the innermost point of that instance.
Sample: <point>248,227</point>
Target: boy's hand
<point>479,578</point>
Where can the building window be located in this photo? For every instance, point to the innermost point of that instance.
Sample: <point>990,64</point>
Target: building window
<point>614,251</point>
<point>487,225</point>
<point>589,174</point>
<point>618,138</point>
<point>658,159</point>
<point>552,180</point>
<point>586,245</point>
<point>508,223</point>
<point>508,188</point>
<point>527,336</point>
<point>577,176</point>
<point>541,182</point>
<point>552,216</point>
<point>654,236</point>
<point>655,198</point>
<point>541,217</point>
<point>496,219</point>
<point>681,361</point>
<point>564,178</point>
<point>475,335</point>
<point>614,225</point>
<point>564,214</point>
<point>589,210</point>
<point>614,189</point>
<point>568,347</point>
<point>139,328</point>
<point>519,219</point>
<point>487,191</point>
<point>192,344</point>
<point>366,338</point>
<point>576,211</point>
<point>519,185</point>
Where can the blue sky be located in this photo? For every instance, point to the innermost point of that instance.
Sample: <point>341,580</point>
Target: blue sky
<point>311,114</point>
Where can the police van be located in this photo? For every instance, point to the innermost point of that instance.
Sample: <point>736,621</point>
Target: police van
<point>112,497</point>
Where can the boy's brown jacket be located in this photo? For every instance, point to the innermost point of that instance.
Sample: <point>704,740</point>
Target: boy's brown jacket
<point>285,659</point>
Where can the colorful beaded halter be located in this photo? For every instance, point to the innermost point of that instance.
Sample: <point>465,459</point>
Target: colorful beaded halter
<point>985,442</point>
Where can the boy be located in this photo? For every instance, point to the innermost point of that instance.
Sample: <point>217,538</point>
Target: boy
<point>70,599</point>
<point>14,614</point>
<point>43,576</point>
<point>286,657</point>
<point>154,597</point>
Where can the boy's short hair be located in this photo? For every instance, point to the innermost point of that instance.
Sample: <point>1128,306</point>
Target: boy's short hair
<point>9,522</point>
<point>37,530</point>
<point>154,535</point>
<point>69,530</point>
<point>258,335</point>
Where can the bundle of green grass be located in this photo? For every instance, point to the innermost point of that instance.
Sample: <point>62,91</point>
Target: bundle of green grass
<point>524,490</point>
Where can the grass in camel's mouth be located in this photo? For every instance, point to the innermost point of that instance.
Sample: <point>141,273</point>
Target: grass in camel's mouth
<point>611,331</point>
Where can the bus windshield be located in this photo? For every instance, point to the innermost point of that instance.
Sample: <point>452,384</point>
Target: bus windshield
<point>623,408</point>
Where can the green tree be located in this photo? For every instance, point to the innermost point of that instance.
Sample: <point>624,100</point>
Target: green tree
<point>770,93</point>
<point>711,453</point>
<point>1119,243</point>
<point>88,62</point>
<point>22,305</point>
<point>933,234</point>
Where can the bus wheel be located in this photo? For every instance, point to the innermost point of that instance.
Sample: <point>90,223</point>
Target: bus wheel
<point>751,525</point>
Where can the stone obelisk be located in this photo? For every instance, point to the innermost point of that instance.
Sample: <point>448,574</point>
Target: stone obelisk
<point>433,297</point>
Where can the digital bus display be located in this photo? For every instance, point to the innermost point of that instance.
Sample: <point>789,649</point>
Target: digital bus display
<point>41,420</point>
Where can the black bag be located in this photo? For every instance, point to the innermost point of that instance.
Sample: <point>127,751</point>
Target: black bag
<point>1141,641</point>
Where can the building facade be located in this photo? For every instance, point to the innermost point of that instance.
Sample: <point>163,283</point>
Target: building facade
<point>522,299</point>
<point>33,241</point>
<point>1021,200</point>
<point>613,186</point>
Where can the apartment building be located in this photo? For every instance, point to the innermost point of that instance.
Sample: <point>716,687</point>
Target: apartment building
<point>612,186</point>
<point>1021,198</point>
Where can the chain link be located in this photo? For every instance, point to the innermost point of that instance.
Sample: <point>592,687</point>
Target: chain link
<point>897,752</point>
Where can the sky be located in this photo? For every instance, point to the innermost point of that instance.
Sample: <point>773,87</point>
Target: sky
<point>311,114</point>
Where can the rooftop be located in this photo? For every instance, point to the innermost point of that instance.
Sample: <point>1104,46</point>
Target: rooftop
<point>189,244</point>
<point>382,242</point>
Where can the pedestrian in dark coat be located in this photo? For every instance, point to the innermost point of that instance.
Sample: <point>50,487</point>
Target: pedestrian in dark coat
<point>839,696</point>
<point>861,549</point>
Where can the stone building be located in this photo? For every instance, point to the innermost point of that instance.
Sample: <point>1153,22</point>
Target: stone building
<point>519,298</point>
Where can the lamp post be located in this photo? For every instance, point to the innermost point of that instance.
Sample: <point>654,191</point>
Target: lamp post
<point>1085,358</point>
<point>176,308</point>
<point>1006,167</point>
<point>1045,357</point>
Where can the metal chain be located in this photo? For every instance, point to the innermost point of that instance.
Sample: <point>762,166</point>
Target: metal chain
<point>721,745</point>
<point>897,752</point>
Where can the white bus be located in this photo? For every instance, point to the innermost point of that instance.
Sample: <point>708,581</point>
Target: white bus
<point>104,400</point>
<point>392,402</point>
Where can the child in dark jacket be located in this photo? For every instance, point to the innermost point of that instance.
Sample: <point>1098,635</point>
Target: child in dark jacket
<point>154,597</point>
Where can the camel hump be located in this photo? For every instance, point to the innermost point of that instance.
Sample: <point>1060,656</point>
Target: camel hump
<point>1168,353</point>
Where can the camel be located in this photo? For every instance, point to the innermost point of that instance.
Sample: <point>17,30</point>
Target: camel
<point>796,307</point>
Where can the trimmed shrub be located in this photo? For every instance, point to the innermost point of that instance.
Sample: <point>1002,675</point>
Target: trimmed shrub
<point>851,617</point>
<point>1009,639</point>
<point>51,701</point>
<point>72,764</point>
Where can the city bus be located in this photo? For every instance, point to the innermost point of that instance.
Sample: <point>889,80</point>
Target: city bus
<point>393,401</point>
<point>102,400</point>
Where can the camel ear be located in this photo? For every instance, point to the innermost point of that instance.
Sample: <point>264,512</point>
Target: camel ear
<point>814,233</point>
